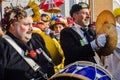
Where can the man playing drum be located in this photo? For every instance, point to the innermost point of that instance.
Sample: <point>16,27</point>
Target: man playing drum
<point>78,42</point>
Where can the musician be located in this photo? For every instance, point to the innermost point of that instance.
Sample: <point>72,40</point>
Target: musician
<point>112,62</point>
<point>77,45</point>
<point>19,43</point>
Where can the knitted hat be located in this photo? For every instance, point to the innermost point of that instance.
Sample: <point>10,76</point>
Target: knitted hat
<point>78,7</point>
<point>57,20</point>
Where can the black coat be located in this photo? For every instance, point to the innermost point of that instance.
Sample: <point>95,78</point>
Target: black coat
<point>13,66</point>
<point>73,50</point>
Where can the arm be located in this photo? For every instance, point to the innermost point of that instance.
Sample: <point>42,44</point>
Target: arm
<point>71,44</point>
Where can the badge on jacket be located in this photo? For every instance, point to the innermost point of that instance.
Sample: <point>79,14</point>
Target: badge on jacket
<point>82,43</point>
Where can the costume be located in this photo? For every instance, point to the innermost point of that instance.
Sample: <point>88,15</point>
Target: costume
<point>13,66</point>
<point>54,49</point>
<point>112,62</point>
<point>71,40</point>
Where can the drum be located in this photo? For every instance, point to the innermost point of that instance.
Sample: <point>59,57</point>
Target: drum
<point>82,70</point>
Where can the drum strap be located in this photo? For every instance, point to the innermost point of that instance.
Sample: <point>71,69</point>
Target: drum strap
<point>30,62</point>
<point>97,59</point>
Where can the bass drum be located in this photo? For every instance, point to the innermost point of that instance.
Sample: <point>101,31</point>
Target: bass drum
<point>82,70</point>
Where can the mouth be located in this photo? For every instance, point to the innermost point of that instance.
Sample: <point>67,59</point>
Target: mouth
<point>86,22</point>
<point>29,32</point>
<point>28,35</point>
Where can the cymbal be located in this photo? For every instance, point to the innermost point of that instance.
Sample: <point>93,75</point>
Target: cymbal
<point>105,16</point>
<point>106,24</point>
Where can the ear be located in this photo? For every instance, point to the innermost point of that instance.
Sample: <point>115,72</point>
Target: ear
<point>75,15</point>
<point>12,27</point>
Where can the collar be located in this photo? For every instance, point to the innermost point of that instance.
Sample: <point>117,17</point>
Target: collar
<point>76,25</point>
<point>23,45</point>
<point>79,26</point>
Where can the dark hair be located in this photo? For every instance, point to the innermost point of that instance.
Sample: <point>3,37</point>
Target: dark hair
<point>13,14</point>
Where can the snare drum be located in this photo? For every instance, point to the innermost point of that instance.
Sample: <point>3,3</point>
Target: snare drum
<point>82,70</point>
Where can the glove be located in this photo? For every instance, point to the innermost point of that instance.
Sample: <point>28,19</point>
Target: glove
<point>99,42</point>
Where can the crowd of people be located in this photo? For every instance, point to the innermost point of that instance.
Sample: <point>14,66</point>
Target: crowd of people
<point>36,50</point>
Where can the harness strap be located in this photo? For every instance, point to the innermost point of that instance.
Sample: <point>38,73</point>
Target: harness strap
<point>30,62</point>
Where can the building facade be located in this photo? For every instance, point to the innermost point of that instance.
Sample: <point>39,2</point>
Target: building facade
<point>96,6</point>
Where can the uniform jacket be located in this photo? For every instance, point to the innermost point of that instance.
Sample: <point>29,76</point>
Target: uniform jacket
<point>13,66</point>
<point>54,49</point>
<point>73,50</point>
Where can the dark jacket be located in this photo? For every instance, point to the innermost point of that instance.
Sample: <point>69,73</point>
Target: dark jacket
<point>73,50</point>
<point>13,66</point>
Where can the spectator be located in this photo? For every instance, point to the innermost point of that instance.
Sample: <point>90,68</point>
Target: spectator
<point>56,25</point>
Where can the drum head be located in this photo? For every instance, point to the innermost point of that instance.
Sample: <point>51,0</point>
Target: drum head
<point>82,70</point>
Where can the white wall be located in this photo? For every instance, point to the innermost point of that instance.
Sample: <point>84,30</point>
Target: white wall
<point>116,4</point>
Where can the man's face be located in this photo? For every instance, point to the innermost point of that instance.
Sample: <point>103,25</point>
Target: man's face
<point>23,29</point>
<point>41,26</point>
<point>83,17</point>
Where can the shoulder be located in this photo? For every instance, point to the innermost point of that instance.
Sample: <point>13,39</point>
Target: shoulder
<point>67,30</point>
<point>4,46</point>
<point>3,41</point>
<point>36,36</point>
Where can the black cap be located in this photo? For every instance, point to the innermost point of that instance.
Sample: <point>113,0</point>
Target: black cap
<point>78,7</point>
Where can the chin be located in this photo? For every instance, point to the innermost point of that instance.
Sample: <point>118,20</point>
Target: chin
<point>86,23</point>
<point>26,39</point>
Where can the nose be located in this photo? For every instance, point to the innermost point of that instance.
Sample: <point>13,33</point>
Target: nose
<point>88,16</point>
<point>31,27</point>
